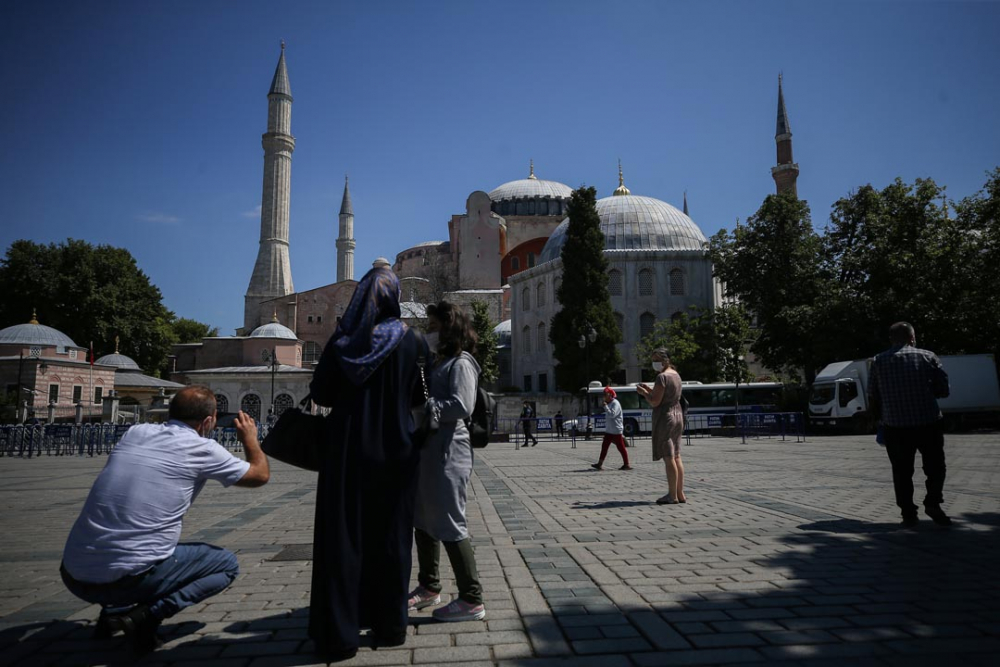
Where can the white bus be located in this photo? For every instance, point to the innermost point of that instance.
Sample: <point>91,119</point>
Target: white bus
<point>716,398</point>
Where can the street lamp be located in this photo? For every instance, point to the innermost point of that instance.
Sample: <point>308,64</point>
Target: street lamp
<point>274,369</point>
<point>591,337</point>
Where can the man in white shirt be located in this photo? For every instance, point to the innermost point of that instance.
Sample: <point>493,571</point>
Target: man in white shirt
<point>123,551</point>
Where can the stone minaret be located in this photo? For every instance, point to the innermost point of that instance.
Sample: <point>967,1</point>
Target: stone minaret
<point>272,274</point>
<point>786,171</point>
<point>345,242</point>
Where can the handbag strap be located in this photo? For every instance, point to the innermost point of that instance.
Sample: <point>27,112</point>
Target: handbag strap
<point>422,361</point>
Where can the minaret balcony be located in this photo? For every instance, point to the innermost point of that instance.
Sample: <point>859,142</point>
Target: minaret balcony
<point>785,167</point>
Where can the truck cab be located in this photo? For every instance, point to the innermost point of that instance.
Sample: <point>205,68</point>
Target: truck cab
<point>839,395</point>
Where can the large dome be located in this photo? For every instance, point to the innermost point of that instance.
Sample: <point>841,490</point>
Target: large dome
<point>632,222</point>
<point>273,330</point>
<point>529,188</point>
<point>34,333</point>
<point>119,361</point>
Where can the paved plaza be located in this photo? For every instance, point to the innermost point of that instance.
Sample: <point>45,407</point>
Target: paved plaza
<point>785,552</point>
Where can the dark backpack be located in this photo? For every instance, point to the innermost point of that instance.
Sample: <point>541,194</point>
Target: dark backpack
<point>480,424</point>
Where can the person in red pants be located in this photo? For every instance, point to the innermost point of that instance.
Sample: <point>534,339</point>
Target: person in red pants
<point>613,428</point>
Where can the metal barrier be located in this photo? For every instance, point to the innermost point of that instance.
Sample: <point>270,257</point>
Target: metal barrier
<point>29,441</point>
<point>753,425</point>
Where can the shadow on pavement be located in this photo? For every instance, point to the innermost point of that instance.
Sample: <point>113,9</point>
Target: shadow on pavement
<point>868,593</point>
<point>610,504</point>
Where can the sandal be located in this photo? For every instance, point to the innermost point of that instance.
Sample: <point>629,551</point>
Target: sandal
<point>666,500</point>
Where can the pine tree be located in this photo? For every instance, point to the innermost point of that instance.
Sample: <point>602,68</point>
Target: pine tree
<point>584,300</point>
<point>486,348</point>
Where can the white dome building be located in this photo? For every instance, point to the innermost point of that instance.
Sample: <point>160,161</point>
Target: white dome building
<point>658,268</point>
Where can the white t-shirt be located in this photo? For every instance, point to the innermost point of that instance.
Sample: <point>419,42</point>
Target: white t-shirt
<point>133,515</point>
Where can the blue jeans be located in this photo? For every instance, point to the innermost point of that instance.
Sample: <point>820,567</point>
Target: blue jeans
<point>193,573</point>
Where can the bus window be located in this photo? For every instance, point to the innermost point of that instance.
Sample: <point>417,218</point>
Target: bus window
<point>630,400</point>
<point>697,398</point>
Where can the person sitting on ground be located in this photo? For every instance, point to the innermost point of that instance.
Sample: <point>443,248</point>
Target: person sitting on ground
<point>668,423</point>
<point>613,429</point>
<point>123,551</point>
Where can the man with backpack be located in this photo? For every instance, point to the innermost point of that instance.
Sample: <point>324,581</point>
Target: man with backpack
<point>527,416</point>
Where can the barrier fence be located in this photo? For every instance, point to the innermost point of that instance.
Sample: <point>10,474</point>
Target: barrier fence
<point>29,441</point>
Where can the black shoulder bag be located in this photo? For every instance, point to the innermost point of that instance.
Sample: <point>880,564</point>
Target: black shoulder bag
<point>298,438</point>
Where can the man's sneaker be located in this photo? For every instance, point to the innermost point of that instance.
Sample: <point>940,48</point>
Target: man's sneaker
<point>460,610</point>
<point>626,467</point>
<point>910,521</point>
<point>597,466</point>
<point>139,626</point>
<point>938,516</point>
<point>420,597</point>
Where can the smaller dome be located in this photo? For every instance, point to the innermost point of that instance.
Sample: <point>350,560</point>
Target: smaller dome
<point>273,330</point>
<point>119,361</point>
<point>34,333</point>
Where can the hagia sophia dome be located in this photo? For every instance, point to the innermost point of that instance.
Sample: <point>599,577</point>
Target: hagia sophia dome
<point>531,196</point>
<point>634,222</point>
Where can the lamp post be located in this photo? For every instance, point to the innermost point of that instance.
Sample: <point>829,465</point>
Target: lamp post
<point>274,369</point>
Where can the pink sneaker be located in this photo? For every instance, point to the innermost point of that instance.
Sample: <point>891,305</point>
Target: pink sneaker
<point>420,597</point>
<point>460,610</point>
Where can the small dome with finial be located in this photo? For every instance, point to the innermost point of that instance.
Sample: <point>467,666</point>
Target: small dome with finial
<point>118,360</point>
<point>34,333</point>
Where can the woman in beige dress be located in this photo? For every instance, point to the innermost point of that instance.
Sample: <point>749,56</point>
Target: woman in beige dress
<point>668,423</point>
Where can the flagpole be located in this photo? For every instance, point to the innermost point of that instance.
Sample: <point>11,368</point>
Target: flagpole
<point>90,400</point>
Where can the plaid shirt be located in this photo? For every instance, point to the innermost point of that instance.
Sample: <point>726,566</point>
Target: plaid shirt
<point>904,385</point>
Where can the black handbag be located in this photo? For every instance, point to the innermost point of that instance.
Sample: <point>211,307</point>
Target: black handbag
<point>298,438</point>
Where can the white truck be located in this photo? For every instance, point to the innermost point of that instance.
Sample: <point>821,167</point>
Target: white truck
<point>839,396</point>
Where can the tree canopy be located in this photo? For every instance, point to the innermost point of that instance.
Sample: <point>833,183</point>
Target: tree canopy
<point>586,303</point>
<point>90,293</point>
<point>486,347</point>
<point>886,255</point>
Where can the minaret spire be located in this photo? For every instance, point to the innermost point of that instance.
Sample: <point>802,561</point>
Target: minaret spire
<point>345,240</point>
<point>272,273</point>
<point>786,172</point>
<point>621,189</point>
<point>686,202</point>
<point>531,170</point>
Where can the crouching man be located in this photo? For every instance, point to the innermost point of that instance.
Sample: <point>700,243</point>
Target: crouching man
<point>123,550</point>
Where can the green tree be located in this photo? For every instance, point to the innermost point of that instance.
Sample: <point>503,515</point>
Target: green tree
<point>90,293</point>
<point>486,348</point>
<point>708,346</point>
<point>772,265</point>
<point>186,330</point>
<point>584,300</point>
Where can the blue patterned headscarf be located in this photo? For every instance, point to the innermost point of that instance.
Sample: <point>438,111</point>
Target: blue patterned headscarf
<point>370,328</point>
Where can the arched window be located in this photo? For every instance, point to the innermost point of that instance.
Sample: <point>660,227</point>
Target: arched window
<point>526,299</point>
<point>542,340</point>
<point>540,295</point>
<point>646,322</point>
<point>620,321</point>
<point>311,352</point>
<point>281,403</point>
<point>646,282</point>
<point>676,317</point>
<point>676,282</point>
<point>221,404</point>
<point>615,282</point>
<point>251,405</point>
<point>515,264</point>
<point>531,259</point>
<point>526,340</point>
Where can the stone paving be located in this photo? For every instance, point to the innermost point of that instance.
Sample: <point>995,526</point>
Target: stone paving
<point>785,552</point>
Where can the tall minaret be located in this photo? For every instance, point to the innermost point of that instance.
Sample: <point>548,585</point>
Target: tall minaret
<point>786,171</point>
<point>345,242</point>
<point>272,274</point>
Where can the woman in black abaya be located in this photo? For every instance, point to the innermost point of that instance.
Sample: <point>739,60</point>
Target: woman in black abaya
<point>365,498</point>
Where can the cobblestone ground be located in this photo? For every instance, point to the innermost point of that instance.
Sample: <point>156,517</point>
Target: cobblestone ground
<point>785,552</point>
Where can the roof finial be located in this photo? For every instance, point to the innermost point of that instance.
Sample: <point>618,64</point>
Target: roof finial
<point>274,318</point>
<point>34,317</point>
<point>621,190</point>
<point>531,169</point>
<point>116,344</point>
<point>282,45</point>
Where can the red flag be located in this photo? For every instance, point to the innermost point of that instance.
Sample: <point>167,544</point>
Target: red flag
<point>91,353</point>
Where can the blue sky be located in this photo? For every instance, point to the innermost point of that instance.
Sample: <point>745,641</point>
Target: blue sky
<point>138,123</point>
